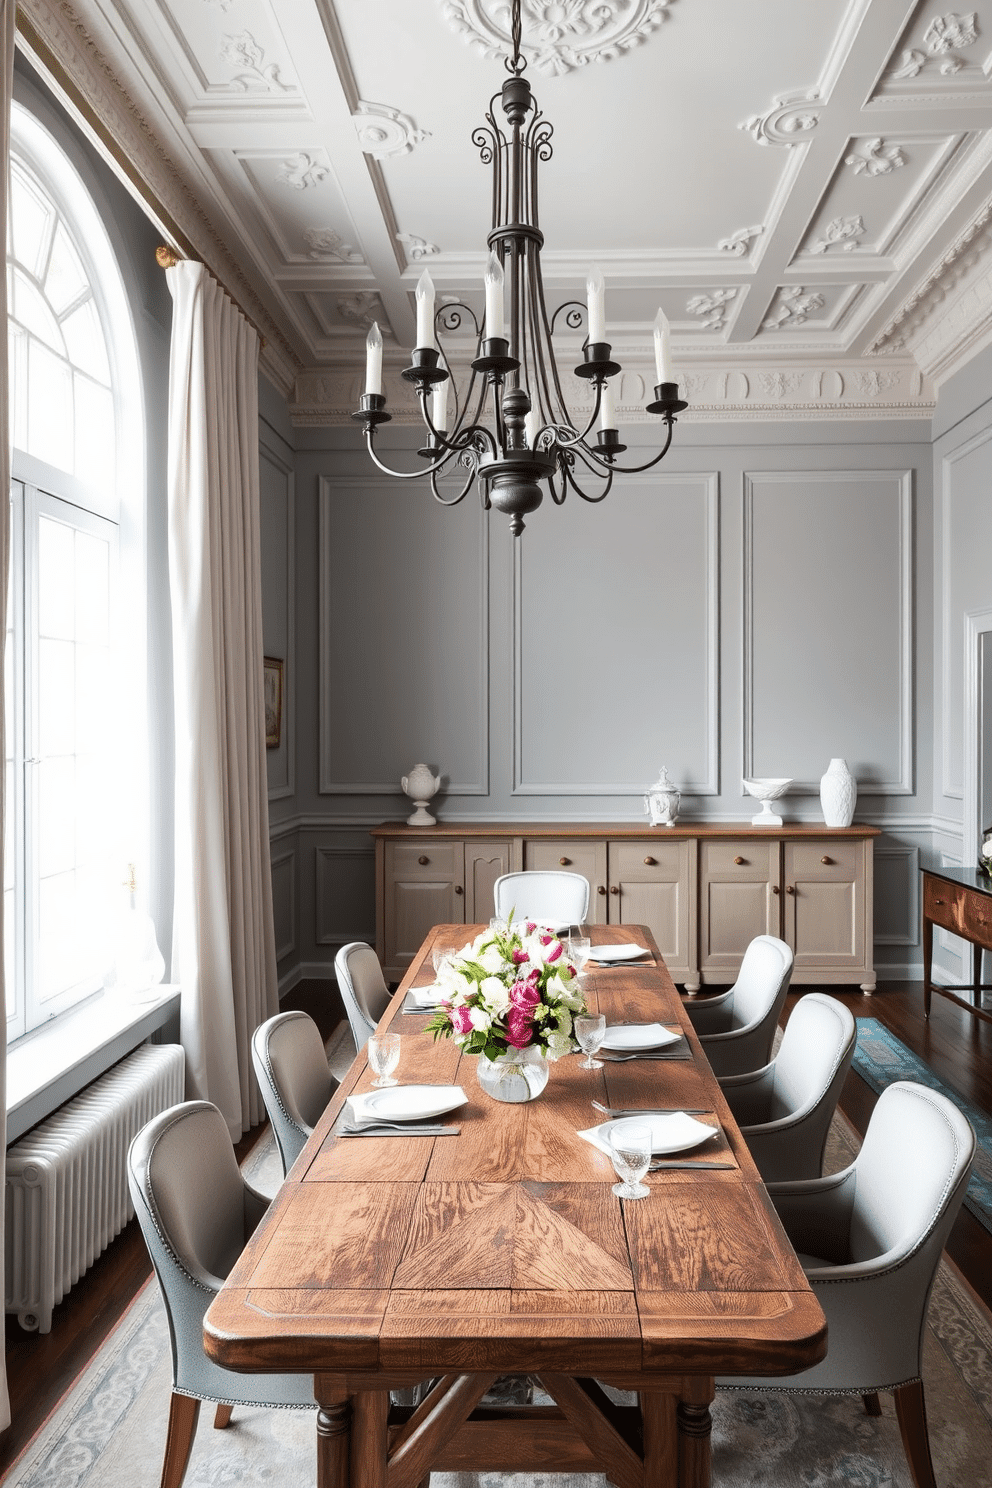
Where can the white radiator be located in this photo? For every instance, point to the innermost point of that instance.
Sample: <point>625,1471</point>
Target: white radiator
<point>67,1194</point>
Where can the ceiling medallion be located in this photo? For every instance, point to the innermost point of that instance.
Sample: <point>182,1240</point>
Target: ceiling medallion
<point>557,35</point>
<point>526,438</point>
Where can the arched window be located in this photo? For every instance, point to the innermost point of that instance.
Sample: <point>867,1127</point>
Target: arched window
<point>76,526</point>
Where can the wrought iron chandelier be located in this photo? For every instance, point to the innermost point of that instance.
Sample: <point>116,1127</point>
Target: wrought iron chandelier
<point>530,437</point>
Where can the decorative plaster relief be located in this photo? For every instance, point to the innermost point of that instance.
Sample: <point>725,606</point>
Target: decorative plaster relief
<point>970,249</point>
<point>794,305</point>
<point>943,36</point>
<point>362,309</point>
<point>779,385</point>
<point>875,160</point>
<point>739,243</point>
<point>301,171</point>
<point>790,116</point>
<point>556,35</point>
<point>244,51</point>
<point>417,247</point>
<point>712,307</point>
<point>843,230</point>
<point>324,242</point>
<point>870,384</point>
<point>384,131</point>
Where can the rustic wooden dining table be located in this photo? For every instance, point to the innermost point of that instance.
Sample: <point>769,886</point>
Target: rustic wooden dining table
<point>384,1261</point>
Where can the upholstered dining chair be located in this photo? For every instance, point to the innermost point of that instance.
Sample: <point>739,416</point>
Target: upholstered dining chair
<point>549,896</point>
<point>196,1213</point>
<point>870,1240</point>
<point>293,1076</point>
<point>736,1028</point>
<point>363,988</point>
<point>784,1110</point>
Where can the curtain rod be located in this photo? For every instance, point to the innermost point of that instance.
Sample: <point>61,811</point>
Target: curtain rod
<point>167,258</point>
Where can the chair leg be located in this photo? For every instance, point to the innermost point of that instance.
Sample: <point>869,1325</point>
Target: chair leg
<point>222,1417</point>
<point>183,1416</point>
<point>912,1413</point>
<point>872,1404</point>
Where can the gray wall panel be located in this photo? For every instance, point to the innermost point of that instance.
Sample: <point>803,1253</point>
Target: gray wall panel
<point>277,501</point>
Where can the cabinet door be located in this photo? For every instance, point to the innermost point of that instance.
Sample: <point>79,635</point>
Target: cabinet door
<point>485,862</point>
<point>824,884</point>
<point>738,899</point>
<point>424,887</point>
<point>575,856</point>
<point>654,884</point>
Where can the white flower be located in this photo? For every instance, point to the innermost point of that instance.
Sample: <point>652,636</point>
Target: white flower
<point>496,994</point>
<point>559,1044</point>
<point>556,987</point>
<point>457,987</point>
<point>479,1018</point>
<point>491,959</point>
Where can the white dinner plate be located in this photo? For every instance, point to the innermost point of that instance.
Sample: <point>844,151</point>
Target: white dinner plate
<point>617,953</point>
<point>673,1132</point>
<point>411,1102</point>
<point>639,1036</point>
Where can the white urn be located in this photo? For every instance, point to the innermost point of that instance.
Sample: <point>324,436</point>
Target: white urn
<point>838,794</point>
<point>662,801</point>
<point>420,785</point>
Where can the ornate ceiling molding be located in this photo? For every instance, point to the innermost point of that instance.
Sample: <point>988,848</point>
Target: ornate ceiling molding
<point>245,53</point>
<point>965,254</point>
<point>325,243</point>
<point>711,308</point>
<point>874,160</point>
<point>739,243</point>
<point>843,232</point>
<point>558,35</point>
<point>793,308</point>
<point>944,36</point>
<point>385,131</point>
<point>417,248</point>
<point>789,118</point>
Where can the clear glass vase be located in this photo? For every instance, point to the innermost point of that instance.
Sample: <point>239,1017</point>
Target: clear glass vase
<point>517,1076</point>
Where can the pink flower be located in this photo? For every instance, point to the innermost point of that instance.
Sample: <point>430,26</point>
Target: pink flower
<point>518,1028</point>
<point>519,957</point>
<point>461,1020</point>
<point>555,953</point>
<point>545,939</point>
<point>524,996</point>
<point>531,926</point>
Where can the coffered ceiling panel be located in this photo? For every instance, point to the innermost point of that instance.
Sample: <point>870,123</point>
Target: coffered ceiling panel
<point>804,188</point>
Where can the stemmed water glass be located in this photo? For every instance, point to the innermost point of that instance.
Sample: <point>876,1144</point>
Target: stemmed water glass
<point>384,1056</point>
<point>590,1030</point>
<point>630,1153</point>
<point>579,947</point>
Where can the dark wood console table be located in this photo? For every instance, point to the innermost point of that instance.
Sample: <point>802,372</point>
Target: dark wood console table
<point>959,900</point>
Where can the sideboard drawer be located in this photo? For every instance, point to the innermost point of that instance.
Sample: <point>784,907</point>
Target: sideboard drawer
<point>426,859</point>
<point>957,908</point>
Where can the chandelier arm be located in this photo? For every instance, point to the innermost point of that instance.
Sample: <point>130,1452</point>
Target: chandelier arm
<point>636,469</point>
<point>460,439</point>
<point>566,434</point>
<point>584,494</point>
<point>555,497</point>
<point>574,320</point>
<point>454,500</point>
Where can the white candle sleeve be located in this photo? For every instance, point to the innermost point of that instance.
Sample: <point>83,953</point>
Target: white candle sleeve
<point>494,298</point>
<point>663,348</point>
<point>439,404</point>
<point>425,311</point>
<point>373,360</point>
<point>532,427</point>
<point>596,303</point>
<point>607,409</point>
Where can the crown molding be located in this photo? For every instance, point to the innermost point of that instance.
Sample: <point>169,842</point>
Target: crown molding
<point>69,58</point>
<point>774,391</point>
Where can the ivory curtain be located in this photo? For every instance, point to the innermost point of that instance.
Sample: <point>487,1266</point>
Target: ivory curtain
<point>7,8</point>
<point>223,939</point>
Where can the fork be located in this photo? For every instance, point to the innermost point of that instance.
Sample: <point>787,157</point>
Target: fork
<point>354,1128</point>
<point>654,1110</point>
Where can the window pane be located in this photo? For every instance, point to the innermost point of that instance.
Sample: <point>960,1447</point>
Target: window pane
<point>84,342</point>
<point>57,815</point>
<point>94,432</point>
<point>96,827</point>
<point>95,714</point>
<point>9,962</point>
<point>50,408</point>
<point>56,579</point>
<point>31,215</point>
<point>17,364</point>
<point>65,280</point>
<point>92,589</point>
<point>56,927</point>
<point>56,698</point>
<point>29,309</point>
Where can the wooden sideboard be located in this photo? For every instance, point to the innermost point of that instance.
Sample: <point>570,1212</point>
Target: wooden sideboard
<point>706,890</point>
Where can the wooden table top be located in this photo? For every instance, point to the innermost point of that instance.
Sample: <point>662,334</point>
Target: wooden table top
<point>504,1248</point>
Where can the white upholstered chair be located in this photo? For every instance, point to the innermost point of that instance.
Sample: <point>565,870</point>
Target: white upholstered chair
<point>551,897</point>
<point>736,1028</point>
<point>293,1076</point>
<point>363,989</point>
<point>196,1213</point>
<point>784,1110</point>
<point>870,1239</point>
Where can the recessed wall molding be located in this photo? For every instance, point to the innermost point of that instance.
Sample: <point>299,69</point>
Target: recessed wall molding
<point>556,38</point>
<point>900,577</point>
<point>384,131</point>
<point>334,868</point>
<point>790,118</point>
<point>270,456</point>
<point>889,857</point>
<point>283,866</point>
<point>951,640</point>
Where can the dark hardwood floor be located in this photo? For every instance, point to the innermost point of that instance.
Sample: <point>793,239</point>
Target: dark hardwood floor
<point>41,1368</point>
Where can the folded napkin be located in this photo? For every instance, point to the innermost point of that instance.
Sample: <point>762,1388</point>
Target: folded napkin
<point>424,1103</point>
<point>629,1038</point>
<point>673,1132</point>
<point>426,997</point>
<point>627,952</point>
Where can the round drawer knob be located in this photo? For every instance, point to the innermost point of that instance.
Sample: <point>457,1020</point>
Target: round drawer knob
<point>423,860</point>
<point>740,862</point>
<point>789,889</point>
<point>826,860</point>
<point>650,862</point>
<point>600,889</point>
<point>774,888</point>
<point>938,901</point>
<point>614,889</point>
<point>459,889</point>
<point>564,862</point>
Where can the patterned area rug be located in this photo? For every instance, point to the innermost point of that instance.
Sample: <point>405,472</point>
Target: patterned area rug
<point>880,1058</point>
<point>109,1431</point>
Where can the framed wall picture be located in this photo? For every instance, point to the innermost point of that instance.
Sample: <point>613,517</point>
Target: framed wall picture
<point>273,701</point>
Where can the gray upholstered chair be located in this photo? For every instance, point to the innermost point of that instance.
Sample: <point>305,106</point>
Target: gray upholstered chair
<point>870,1239</point>
<point>737,1027</point>
<point>363,989</point>
<point>296,1084</point>
<point>196,1213</point>
<point>784,1110</point>
<point>551,897</point>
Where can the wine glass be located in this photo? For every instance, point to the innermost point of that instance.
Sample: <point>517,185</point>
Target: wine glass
<point>384,1056</point>
<point>590,1030</point>
<point>440,959</point>
<point>630,1153</point>
<point>579,948</point>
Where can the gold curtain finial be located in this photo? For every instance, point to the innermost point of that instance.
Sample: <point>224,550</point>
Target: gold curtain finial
<point>165,257</point>
<point>131,883</point>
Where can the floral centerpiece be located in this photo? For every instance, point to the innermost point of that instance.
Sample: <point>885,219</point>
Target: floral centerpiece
<point>510,996</point>
<point>985,852</point>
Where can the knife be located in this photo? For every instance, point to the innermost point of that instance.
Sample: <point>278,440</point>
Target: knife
<point>377,1130</point>
<point>657,1167</point>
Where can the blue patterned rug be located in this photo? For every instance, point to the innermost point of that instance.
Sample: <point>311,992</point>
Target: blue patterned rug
<point>880,1058</point>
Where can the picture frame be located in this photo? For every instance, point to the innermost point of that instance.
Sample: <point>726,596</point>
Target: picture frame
<point>272,693</point>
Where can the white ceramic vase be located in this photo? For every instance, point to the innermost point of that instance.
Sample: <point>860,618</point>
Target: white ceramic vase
<point>838,794</point>
<point>420,785</point>
<point>517,1076</point>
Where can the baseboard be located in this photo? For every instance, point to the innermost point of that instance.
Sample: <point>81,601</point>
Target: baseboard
<point>306,971</point>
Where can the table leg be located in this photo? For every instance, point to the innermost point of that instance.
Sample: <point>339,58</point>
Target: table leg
<point>976,974</point>
<point>333,1434</point>
<point>927,963</point>
<point>692,1415</point>
<point>661,1443</point>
